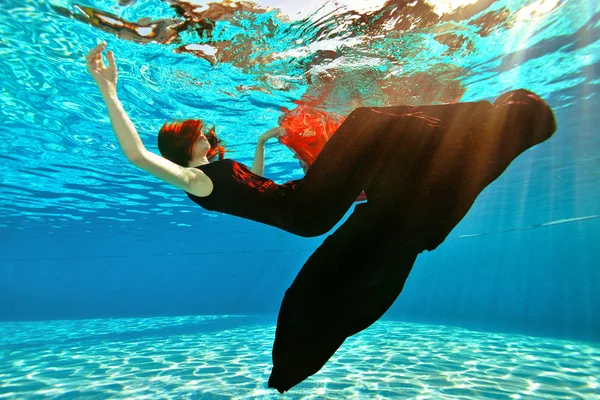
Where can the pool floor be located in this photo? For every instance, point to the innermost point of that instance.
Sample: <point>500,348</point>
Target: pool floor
<point>223,357</point>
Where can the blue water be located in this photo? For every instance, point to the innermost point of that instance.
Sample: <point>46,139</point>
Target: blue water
<point>113,284</point>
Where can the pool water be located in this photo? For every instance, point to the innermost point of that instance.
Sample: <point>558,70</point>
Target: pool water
<point>114,285</point>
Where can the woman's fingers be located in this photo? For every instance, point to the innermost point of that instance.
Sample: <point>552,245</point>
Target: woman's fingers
<point>99,48</point>
<point>94,57</point>
<point>94,52</point>
<point>111,59</point>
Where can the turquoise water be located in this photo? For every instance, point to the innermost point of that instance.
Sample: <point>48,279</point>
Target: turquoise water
<point>115,285</point>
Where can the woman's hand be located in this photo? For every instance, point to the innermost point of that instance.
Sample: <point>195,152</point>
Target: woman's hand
<point>271,133</point>
<point>105,76</point>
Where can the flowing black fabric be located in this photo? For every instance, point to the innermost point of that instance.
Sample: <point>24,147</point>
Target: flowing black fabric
<point>421,168</point>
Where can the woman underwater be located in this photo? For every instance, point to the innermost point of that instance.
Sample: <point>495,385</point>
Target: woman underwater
<point>420,167</point>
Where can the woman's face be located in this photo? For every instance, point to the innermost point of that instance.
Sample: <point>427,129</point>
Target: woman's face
<point>201,147</point>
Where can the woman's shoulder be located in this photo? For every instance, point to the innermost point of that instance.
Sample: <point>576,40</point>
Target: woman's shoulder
<point>200,184</point>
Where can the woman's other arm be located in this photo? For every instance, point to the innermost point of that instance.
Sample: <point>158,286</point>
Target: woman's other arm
<point>258,166</point>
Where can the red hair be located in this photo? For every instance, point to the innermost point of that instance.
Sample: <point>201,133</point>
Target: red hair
<point>176,141</point>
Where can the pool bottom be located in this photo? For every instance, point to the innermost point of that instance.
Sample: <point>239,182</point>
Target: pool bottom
<point>222,357</point>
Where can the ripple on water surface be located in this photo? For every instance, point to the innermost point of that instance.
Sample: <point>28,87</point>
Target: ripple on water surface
<point>230,356</point>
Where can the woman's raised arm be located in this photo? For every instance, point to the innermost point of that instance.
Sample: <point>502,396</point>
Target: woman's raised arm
<point>106,79</point>
<point>131,144</point>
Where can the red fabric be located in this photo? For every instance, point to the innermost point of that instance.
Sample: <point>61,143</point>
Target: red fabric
<point>306,132</point>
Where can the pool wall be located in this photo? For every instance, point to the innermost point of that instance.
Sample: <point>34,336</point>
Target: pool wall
<point>533,281</point>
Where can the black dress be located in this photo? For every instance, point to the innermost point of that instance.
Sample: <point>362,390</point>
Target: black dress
<point>421,168</point>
